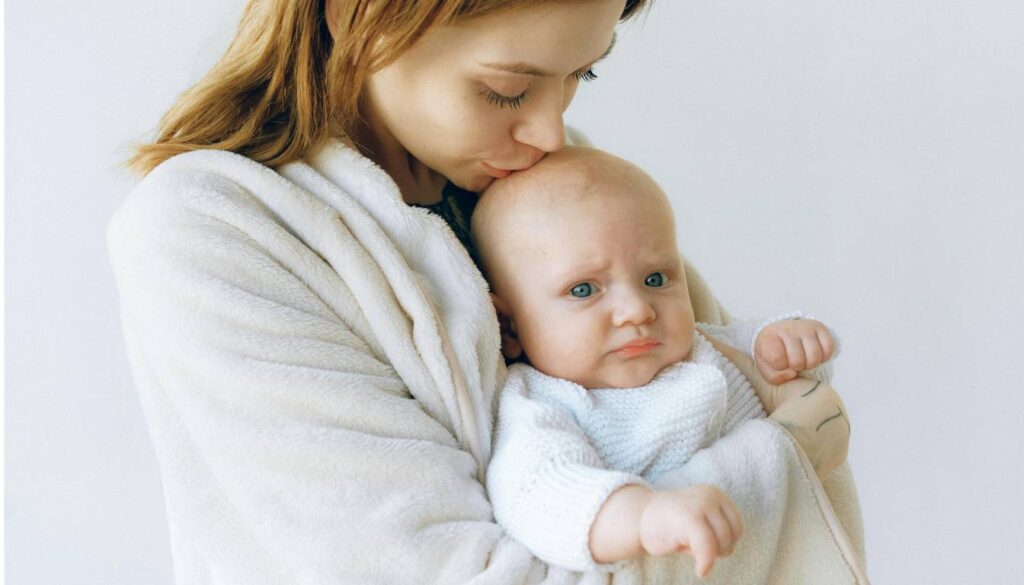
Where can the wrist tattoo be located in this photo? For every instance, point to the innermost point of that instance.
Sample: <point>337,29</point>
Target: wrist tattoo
<point>838,414</point>
<point>811,390</point>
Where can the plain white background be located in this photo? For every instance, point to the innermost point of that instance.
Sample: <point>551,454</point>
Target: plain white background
<point>860,160</point>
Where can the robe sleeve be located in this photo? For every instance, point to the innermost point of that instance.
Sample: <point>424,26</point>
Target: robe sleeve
<point>290,450</point>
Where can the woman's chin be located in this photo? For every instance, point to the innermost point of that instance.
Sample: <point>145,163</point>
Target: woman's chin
<point>475,183</point>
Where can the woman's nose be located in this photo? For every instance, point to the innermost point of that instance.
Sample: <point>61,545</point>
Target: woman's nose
<point>632,309</point>
<point>542,126</point>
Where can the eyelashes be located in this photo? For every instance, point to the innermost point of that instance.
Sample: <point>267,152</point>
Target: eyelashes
<point>503,101</point>
<point>587,75</point>
<point>513,102</point>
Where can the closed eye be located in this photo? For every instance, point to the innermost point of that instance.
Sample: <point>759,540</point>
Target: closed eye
<point>503,101</point>
<point>587,75</point>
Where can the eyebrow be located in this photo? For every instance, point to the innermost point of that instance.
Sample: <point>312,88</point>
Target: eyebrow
<point>573,274</point>
<point>524,68</point>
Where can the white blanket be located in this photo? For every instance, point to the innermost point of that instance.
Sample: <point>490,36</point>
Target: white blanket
<point>318,362</point>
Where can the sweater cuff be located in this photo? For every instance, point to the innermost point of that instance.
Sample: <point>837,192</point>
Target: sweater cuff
<point>563,505</point>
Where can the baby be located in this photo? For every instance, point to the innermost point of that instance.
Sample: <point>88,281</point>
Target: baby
<point>621,385</point>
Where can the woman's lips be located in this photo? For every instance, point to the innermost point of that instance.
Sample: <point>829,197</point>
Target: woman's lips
<point>494,172</point>
<point>637,347</point>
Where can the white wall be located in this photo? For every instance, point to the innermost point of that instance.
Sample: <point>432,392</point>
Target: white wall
<point>863,161</point>
<point>84,79</point>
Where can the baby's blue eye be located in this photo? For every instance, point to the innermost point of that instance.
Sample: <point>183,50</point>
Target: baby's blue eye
<point>655,279</point>
<point>582,290</point>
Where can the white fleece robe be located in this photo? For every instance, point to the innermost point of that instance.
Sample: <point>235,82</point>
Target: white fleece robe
<point>318,363</point>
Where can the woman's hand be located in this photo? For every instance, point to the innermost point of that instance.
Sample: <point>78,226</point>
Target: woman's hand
<point>766,391</point>
<point>810,410</point>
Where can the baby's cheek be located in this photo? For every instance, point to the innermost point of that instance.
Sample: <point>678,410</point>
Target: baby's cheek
<point>557,358</point>
<point>683,339</point>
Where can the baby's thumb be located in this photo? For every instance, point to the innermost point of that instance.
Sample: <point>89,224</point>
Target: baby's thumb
<point>704,565</point>
<point>778,377</point>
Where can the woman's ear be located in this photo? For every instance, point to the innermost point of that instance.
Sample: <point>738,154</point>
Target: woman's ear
<point>510,347</point>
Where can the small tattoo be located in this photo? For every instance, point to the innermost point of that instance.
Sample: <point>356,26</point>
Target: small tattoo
<point>811,390</point>
<point>833,417</point>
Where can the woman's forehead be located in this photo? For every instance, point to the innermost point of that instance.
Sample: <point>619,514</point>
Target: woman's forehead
<point>553,38</point>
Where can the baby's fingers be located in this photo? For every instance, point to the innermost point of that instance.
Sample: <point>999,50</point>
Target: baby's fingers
<point>703,545</point>
<point>828,345</point>
<point>732,513</point>
<point>795,353</point>
<point>723,532</point>
<point>813,351</point>
<point>778,377</point>
<point>770,352</point>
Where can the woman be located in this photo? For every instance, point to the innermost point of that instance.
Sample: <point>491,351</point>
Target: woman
<point>317,356</point>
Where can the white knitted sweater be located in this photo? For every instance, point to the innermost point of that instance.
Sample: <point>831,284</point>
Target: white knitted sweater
<point>561,449</point>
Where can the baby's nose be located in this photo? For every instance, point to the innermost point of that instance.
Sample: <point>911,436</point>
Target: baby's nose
<point>633,309</point>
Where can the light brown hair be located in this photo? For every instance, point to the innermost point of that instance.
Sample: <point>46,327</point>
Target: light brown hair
<point>285,84</point>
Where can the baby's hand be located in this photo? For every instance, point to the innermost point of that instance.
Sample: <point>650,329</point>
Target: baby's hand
<point>786,348</point>
<point>699,519</point>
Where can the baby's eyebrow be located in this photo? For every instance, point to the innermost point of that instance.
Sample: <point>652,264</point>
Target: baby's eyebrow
<point>524,68</point>
<point>575,272</point>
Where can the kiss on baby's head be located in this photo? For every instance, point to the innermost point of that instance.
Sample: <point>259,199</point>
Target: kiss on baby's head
<point>580,252</point>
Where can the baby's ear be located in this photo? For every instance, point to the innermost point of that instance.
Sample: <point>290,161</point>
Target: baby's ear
<point>510,347</point>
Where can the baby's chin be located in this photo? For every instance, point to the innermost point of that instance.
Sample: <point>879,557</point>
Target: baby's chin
<point>626,376</point>
<point>637,372</point>
<point>611,371</point>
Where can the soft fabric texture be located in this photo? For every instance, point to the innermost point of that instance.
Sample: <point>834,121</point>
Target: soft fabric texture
<point>561,449</point>
<point>792,534</point>
<point>318,364</point>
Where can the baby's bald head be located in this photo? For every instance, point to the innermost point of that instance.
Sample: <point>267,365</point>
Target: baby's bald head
<point>571,185</point>
<point>580,252</point>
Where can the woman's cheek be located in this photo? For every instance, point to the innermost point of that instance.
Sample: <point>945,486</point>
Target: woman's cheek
<point>483,126</point>
<point>570,93</point>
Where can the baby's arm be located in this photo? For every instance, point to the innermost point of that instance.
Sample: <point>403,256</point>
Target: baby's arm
<point>545,480</point>
<point>552,492</point>
<point>634,520</point>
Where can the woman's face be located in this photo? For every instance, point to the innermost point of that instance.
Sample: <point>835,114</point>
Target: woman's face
<point>479,99</point>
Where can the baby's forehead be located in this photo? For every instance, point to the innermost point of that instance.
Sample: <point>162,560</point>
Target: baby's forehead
<point>578,169</point>
<point>574,190</point>
<point>570,188</point>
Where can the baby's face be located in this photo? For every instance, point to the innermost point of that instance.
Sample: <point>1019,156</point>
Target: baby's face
<point>596,287</point>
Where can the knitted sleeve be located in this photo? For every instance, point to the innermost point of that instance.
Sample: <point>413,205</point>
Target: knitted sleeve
<point>546,482</point>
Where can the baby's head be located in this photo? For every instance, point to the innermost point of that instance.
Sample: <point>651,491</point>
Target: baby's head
<point>581,255</point>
